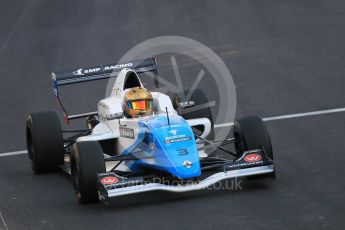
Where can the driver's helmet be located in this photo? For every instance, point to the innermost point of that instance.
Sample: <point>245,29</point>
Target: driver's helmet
<point>138,102</point>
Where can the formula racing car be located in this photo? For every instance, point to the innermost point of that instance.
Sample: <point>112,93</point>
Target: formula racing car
<point>139,141</point>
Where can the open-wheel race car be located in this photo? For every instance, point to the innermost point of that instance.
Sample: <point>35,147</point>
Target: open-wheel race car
<point>139,141</point>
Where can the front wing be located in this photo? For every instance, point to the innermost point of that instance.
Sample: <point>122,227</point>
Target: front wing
<point>251,163</point>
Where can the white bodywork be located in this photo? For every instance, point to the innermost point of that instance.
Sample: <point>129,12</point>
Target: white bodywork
<point>109,128</point>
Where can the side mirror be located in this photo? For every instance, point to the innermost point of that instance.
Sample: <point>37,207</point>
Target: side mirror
<point>179,106</point>
<point>186,104</point>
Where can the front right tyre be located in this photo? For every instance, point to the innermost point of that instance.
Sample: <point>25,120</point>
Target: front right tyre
<point>86,161</point>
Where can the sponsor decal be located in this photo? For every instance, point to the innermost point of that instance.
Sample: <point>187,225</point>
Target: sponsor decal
<point>187,164</point>
<point>120,182</point>
<point>81,72</point>
<point>109,180</point>
<point>129,182</point>
<point>127,132</point>
<point>241,165</point>
<point>112,67</point>
<point>252,158</point>
<point>114,116</point>
<point>170,141</point>
<point>176,138</point>
<point>78,72</point>
<point>110,117</point>
<point>173,132</point>
<point>90,71</point>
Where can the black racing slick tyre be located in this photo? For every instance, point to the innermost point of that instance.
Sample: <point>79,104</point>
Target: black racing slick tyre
<point>199,98</point>
<point>251,133</point>
<point>44,141</point>
<point>86,161</point>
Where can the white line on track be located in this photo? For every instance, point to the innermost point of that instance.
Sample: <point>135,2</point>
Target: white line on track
<point>13,153</point>
<point>289,116</point>
<point>3,221</point>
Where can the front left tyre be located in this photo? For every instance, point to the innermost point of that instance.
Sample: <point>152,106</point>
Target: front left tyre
<point>44,141</point>
<point>251,133</point>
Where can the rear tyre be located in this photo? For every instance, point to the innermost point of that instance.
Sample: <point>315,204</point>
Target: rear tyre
<point>44,141</point>
<point>86,161</point>
<point>199,98</point>
<point>251,133</point>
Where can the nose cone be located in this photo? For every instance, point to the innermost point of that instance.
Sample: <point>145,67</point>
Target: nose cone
<point>186,169</point>
<point>176,148</point>
<point>182,163</point>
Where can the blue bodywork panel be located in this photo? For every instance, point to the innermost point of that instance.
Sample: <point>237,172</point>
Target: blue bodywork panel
<point>169,148</point>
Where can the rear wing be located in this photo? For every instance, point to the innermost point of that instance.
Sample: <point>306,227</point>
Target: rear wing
<point>100,72</point>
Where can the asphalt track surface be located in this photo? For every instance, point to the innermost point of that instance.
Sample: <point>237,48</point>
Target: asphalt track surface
<point>285,57</point>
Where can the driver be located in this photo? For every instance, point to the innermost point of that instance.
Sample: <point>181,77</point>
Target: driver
<point>138,102</point>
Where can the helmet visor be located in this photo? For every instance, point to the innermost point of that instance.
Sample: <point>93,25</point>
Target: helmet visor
<point>140,104</point>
